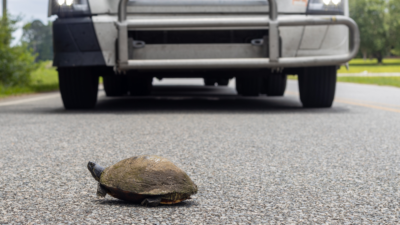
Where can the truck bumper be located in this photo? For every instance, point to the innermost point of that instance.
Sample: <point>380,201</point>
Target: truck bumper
<point>271,47</point>
<point>75,43</point>
<point>107,40</point>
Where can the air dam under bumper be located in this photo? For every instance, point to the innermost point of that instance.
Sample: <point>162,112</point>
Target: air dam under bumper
<point>75,43</point>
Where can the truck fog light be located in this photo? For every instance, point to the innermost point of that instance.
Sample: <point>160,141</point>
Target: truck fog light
<point>61,2</point>
<point>326,2</point>
<point>69,2</point>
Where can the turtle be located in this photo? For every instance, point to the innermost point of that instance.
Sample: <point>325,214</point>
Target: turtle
<point>148,179</point>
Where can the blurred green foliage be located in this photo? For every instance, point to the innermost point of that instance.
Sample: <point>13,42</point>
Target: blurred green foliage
<point>43,79</point>
<point>379,23</point>
<point>394,12</point>
<point>39,37</point>
<point>372,19</point>
<point>372,66</point>
<point>385,81</point>
<point>16,62</point>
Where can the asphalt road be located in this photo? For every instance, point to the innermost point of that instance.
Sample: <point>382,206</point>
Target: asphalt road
<point>255,160</point>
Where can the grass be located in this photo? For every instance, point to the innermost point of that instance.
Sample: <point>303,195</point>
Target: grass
<point>43,79</point>
<point>383,81</point>
<point>372,66</point>
<point>386,81</point>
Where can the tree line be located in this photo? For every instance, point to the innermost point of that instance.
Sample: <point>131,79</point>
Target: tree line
<point>18,61</point>
<point>379,24</point>
<point>39,38</point>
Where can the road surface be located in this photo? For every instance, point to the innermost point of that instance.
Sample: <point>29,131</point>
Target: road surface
<point>255,160</point>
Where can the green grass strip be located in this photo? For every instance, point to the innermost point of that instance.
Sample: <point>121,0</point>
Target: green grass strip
<point>384,81</point>
<point>44,79</point>
<point>372,66</point>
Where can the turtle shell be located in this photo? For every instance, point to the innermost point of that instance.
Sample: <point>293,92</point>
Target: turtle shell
<point>136,178</point>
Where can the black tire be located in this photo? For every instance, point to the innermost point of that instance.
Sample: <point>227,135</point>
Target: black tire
<point>247,86</point>
<point>115,85</point>
<point>223,81</point>
<point>275,84</point>
<point>238,86</point>
<point>209,81</point>
<point>78,87</point>
<point>140,86</point>
<point>317,86</point>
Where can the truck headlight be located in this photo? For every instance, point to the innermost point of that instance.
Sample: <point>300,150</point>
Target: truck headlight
<point>70,8</point>
<point>69,2</point>
<point>335,7</point>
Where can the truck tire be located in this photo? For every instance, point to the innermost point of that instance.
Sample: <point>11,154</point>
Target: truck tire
<point>247,86</point>
<point>238,86</point>
<point>317,86</point>
<point>78,87</point>
<point>275,84</point>
<point>140,86</point>
<point>115,85</point>
<point>223,81</point>
<point>209,81</point>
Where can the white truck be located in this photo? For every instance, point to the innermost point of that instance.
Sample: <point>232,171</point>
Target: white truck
<point>257,42</point>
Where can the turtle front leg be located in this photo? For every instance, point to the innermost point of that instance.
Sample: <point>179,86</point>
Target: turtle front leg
<point>151,201</point>
<point>101,191</point>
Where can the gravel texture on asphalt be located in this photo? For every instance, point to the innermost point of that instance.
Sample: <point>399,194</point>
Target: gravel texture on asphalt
<point>255,161</point>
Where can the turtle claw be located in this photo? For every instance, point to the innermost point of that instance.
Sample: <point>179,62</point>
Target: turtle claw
<point>151,202</point>
<point>101,191</point>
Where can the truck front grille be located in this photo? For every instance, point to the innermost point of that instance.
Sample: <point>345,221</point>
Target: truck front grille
<point>198,36</point>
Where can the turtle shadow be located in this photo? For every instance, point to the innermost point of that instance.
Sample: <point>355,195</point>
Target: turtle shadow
<point>120,203</point>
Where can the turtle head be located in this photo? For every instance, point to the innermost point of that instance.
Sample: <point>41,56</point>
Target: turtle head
<point>95,169</point>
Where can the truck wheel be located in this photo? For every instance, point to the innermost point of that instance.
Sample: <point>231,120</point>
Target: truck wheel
<point>317,86</point>
<point>115,85</point>
<point>247,86</point>
<point>275,84</point>
<point>78,87</point>
<point>238,86</point>
<point>209,81</point>
<point>140,86</point>
<point>223,82</point>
